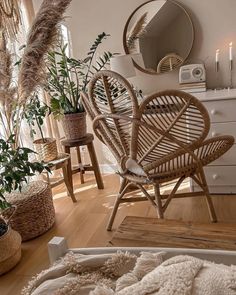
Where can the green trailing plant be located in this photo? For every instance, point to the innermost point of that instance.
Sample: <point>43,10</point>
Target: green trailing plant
<point>35,113</point>
<point>67,76</point>
<point>15,167</point>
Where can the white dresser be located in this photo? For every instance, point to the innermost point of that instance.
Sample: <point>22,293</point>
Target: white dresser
<point>221,105</point>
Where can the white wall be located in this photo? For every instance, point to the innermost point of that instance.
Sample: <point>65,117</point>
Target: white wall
<point>215,27</point>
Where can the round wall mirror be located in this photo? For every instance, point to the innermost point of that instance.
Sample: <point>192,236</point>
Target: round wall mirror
<point>160,34</point>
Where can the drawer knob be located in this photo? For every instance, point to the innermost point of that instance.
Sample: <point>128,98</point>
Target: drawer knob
<point>213,112</point>
<point>215,176</point>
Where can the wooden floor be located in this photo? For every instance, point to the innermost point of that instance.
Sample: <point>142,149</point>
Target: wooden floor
<point>83,223</point>
<point>152,232</point>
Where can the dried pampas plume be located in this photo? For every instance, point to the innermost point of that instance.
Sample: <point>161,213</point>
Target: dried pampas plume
<point>137,31</point>
<point>7,90</point>
<point>41,38</point>
<point>10,17</point>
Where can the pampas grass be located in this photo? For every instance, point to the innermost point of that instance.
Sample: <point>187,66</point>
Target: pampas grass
<point>10,17</point>
<point>41,38</point>
<point>137,31</point>
<point>7,91</point>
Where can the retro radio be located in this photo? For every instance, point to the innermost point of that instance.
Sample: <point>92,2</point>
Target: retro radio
<point>193,73</point>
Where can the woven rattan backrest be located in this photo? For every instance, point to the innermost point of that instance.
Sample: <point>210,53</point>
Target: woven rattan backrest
<point>182,122</point>
<point>154,133</point>
<point>169,63</point>
<point>110,94</point>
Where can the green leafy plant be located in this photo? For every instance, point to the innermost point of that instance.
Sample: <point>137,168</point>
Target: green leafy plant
<point>35,113</point>
<point>15,167</point>
<point>67,77</point>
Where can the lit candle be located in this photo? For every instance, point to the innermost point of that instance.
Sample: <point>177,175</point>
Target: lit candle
<point>231,51</point>
<point>217,55</point>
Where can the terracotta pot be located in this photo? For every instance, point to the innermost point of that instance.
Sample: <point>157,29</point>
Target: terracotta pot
<point>10,250</point>
<point>74,125</point>
<point>46,150</point>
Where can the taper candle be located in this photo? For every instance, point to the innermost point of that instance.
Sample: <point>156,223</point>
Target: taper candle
<point>231,51</point>
<point>217,55</point>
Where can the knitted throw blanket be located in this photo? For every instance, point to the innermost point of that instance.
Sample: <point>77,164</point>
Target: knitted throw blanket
<point>127,274</point>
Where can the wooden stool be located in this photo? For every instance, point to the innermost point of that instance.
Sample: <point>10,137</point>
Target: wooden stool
<point>61,162</point>
<point>88,141</point>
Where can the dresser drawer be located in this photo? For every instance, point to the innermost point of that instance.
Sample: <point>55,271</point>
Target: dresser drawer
<point>220,175</point>
<point>217,129</point>
<point>228,159</point>
<point>221,111</point>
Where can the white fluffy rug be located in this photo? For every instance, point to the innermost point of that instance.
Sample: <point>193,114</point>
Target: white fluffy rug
<point>127,274</point>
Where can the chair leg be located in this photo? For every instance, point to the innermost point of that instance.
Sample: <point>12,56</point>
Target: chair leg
<point>123,187</point>
<point>208,197</point>
<point>158,201</point>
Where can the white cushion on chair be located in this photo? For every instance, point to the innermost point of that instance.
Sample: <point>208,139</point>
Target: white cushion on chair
<point>134,167</point>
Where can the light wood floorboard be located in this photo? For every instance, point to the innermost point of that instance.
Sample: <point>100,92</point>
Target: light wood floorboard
<point>83,223</point>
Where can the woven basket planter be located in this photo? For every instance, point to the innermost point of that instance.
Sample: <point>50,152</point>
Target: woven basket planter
<point>46,150</point>
<point>35,212</point>
<point>10,250</point>
<point>74,125</point>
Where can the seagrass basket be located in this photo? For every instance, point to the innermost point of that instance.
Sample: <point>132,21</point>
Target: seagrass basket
<point>74,125</point>
<point>10,248</point>
<point>46,149</point>
<point>35,212</point>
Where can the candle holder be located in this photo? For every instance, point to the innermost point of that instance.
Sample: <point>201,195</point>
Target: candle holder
<point>217,66</point>
<point>217,69</point>
<point>231,74</point>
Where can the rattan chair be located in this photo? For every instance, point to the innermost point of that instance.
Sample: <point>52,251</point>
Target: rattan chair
<point>160,140</point>
<point>169,62</point>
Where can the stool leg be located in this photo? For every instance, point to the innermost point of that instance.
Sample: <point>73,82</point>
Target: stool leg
<point>68,184</point>
<point>80,165</point>
<point>95,165</point>
<point>69,171</point>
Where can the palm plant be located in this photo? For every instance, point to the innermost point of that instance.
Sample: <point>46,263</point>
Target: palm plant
<point>67,76</point>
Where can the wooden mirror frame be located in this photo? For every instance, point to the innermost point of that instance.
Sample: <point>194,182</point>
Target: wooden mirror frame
<point>126,29</point>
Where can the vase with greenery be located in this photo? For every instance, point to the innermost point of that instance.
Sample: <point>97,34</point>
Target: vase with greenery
<point>15,170</point>
<point>66,78</point>
<point>35,114</point>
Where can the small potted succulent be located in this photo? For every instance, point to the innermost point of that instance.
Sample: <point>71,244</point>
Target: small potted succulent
<point>15,168</point>
<point>67,77</point>
<point>35,114</point>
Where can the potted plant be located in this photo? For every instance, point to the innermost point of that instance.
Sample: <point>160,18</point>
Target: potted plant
<point>15,168</point>
<point>35,114</point>
<point>67,77</point>
<point>10,242</point>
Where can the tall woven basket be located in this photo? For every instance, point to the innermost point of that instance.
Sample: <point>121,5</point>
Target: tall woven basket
<point>10,248</point>
<point>74,125</point>
<point>46,150</point>
<point>35,212</point>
